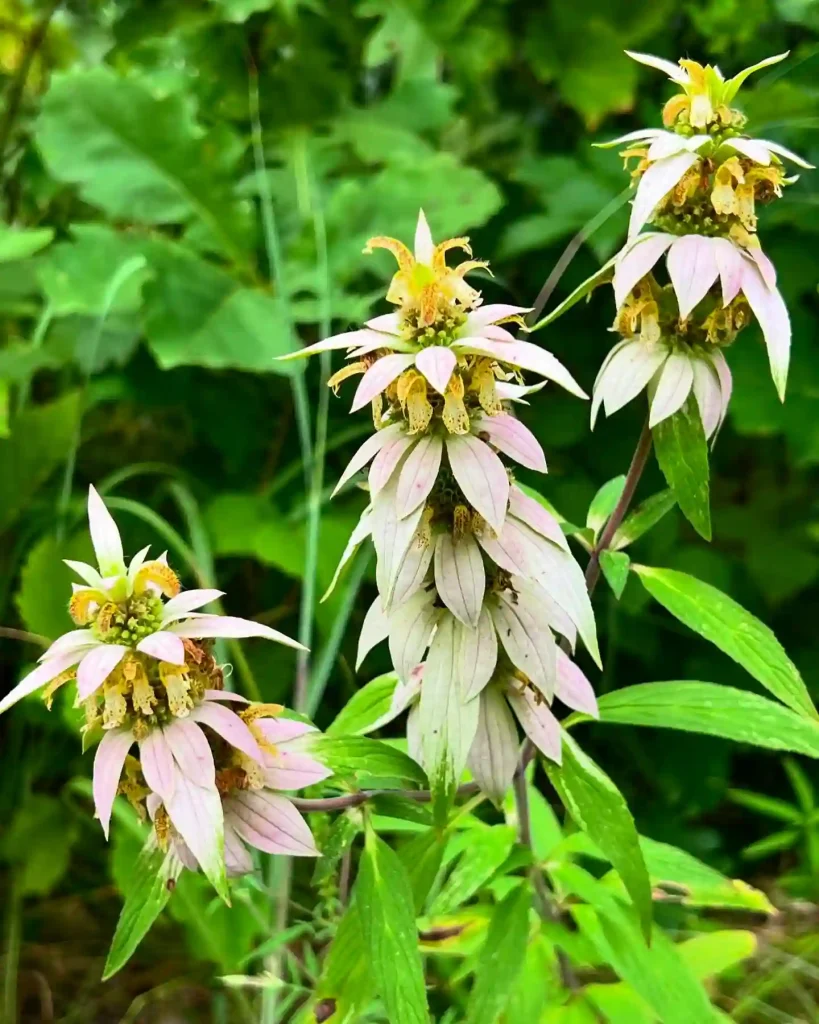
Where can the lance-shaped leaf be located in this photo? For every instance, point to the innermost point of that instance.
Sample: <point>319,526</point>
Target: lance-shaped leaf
<point>682,452</point>
<point>486,851</point>
<point>647,514</point>
<point>599,808</point>
<point>152,882</point>
<point>582,291</point>
<point>384,900</point>
<point>362,711</point>
<point>501,957</point>
<point>730,627</point>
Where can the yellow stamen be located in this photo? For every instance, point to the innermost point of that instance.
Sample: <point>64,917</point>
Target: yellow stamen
<point>455,416</point>
<point>674,107</point>
<point>157,574</point>
<point>250,714</point>
<point>745,205</point>
<point>649,322</point>
<point>177,687</point>
<point>350,370</point>
<point>417,407</point>
<point>723,196</point>
<point>483,382</point>
<point>406,261</point>
<point>142,693</point>
<point>116,707</point>
<point>424,536</point>
<point>461,522</point>
<point>55,684</point>
<point>83,604</point>
<point>162,828</point>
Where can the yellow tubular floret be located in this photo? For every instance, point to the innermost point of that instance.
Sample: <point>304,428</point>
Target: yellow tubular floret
<point>84,603</point>
<point>439,254</point>
<point>455,416</point>
<point>405,259</point>
<point>159,575</point>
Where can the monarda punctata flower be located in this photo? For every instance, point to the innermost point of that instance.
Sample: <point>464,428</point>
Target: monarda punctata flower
<point>147,680</point>
<point>473,574</point>
<point>698,184</point>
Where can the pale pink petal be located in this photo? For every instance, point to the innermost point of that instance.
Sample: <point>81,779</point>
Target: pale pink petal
<point>157,763</point>
<point>424,246</point>
<point>76,640</point>
<point>411,628</point>
<point>96,666</point>
<point>774,147</point>
<point>725,380</point>
<point>188,601</point>
<point>540,519</point>
<point>108,762</point>
<point>349,339</point>
<point>392,537</point>
<point>228,695</point>
<point>636,136</point>
<point>674,71</point>
<point>656,183</point>
<point>196,814</point>
<point>460,577</point>
<point>491,314</point>
<point>628,373</point>
<point>191,751</point>
<point>692,267</point>
<point>44,673</point>
<point>414,738</point>
<point>493,756</point>
<point>288,771</point>
<point>636,261</point>
<point>525,356</point>
<point>481,476</point>
<point>766,268</point>
<point>390,323</point>
<point>163,646</point>
<point>361,530</point>
<point>517,392</point>
<point>387,460</point>
<point>384,342</point>
<point>371,447</point>
<point>667,145</point>
<point>538,722</point>
<point>754,149</point>
<point>673,388</point>
<point>564,583</point>
<point>237,856</point>
<point>478,653</point>
<point>283,732</point>
<point>379,376</point>
<point>376,627</point>
<point>436,363</point>
<point>104,536</point>
<point>418,474</point>
<point>527,638</point>
<point>412,574</point>
<point>730,265</point>
<point>494,332</point>
<point>509,435</point>
<point>708,392</point>
<point>772,314</point>
<point>513,548</point>
<point>229,626</point>
<point>229,726</point>
<point>573,688</point>
<point>270,823</point>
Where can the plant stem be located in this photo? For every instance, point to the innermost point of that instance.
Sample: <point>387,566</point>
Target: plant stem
<point>362,796</point>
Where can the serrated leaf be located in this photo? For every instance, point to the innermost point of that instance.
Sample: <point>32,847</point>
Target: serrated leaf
<point>501,957</point>
<point>153,877</point>
<point>603,503</point>
<point>485,852</point>
<point>735,631</point>
<point>362,711</point>
<point>598,807</point>
<point>714,710</point>
<point>682,452</point>
<point>647,514</point>
<point>385,905</point>
<point>359,754</point>
<point>615,566</point>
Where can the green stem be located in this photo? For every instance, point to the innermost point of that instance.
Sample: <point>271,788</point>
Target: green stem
<point>12,958</point>
<point>37,340</point>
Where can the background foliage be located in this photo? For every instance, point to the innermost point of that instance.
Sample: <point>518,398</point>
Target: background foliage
<point>187,188</point>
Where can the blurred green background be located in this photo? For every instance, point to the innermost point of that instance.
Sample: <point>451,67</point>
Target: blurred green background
<point>162,243</point>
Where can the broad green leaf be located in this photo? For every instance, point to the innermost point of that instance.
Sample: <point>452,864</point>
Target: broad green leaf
<point>359,754</point>
<point>153,879</point>
<point>485,852</point>
<point>712,953</point>
<point>537,984</point>
<point>601,276</point>
<point>682,452</point>
<point>713,710</point>
<point>362,711</point>
<point>726,624</point>
<point>598,807</point>
<point>422,857</point>
<point>385,906</point>
<point>39,841</point>
<point>656,971</point>
<point>20,243</point>
<point>137,157</point>
<point>40,442</point>
<point>647,514</point>
<point>615,566</point>
<point>603,504</point>
<point>346,983</point>
<point>501,958</point>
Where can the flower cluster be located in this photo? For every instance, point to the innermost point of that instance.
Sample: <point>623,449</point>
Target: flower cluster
<point>209,776</point>
<point>698,183</point>
<point>473,574</point>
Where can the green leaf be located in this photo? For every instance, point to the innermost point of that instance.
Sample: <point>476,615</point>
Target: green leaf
<point>770,806</point>
<point>41,440</point>
<point>774,843</point>
<point>682,452</point>
<point>601,276</point>
<point>714,710</point>
<point>713,953</point>
<point>422,857</point>
<point>726,624</point>
<point>362,711</point>
<point>647,514</point>
<point>153,878</point>
<point>39,840</point>
<point>603,504</point>
<point>598,807</point>
<point>19,243</point>
<point>348,755</point>
<point>485,852</point>
<point>137,157</point>
<point>45,582</point>
<point>501,957</point>
<point>385,905</point>
<point>615,566</point>
<point>196,315</point>
<point>347,981</point>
